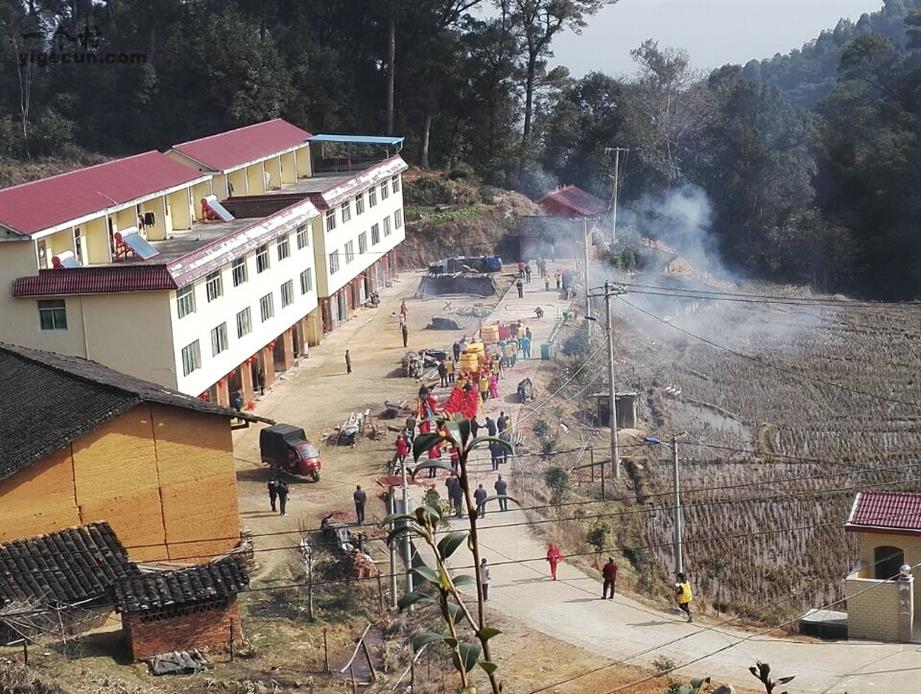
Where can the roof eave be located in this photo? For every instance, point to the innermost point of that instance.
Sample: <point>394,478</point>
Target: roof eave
<point>880,529</point>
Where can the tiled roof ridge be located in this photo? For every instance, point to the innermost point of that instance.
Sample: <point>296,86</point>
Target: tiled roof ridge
<point>234,130</point>
<point>23,353</point>
<point>82,169</point>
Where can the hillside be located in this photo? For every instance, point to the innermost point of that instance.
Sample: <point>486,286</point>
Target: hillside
<point>14,172</point>
<point>459,216</point>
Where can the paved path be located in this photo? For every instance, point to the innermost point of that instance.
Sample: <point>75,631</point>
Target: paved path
<point>570,609</point>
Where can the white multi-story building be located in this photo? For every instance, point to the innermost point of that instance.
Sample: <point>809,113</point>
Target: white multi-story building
<point>134,264</point>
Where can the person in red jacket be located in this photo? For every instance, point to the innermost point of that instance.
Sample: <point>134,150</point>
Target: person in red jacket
<point>554,557</point>
<point>609,574</point>
<point>402,448</point>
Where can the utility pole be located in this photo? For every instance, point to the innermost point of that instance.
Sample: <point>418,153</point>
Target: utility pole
<point>612,391</point>
<point>679,562</point>
<point>392,503</point>
<point>588,299</point>
<point>617,151</point>
<point>407,545</point>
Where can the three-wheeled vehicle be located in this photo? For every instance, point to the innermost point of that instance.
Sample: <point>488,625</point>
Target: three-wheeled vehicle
<point>287,448</point>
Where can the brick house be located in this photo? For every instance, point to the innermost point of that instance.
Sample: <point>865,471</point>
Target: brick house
<point>194,607</point>
<point>881,603</point>
<point>80,443</point>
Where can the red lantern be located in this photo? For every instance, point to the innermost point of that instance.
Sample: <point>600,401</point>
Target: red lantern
<point>272,344</point>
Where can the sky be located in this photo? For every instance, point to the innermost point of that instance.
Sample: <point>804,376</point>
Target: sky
<point>714,32</point>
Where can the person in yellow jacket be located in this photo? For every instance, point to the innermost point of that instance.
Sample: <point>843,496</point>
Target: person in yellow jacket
<point>484,386</point>
<point>683,595</point>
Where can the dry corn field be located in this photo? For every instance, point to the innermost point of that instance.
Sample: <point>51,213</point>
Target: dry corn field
<point>813,445</point>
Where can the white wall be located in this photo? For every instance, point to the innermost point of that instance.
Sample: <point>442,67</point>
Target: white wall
<point>326,242</point>
<point>208,315</point>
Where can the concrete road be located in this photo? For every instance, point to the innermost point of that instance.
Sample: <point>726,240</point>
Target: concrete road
<point>626,630</point>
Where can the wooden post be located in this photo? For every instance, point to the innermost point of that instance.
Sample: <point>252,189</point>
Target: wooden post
<point>325,653</point>
<point>412,676</point>
<point>25,653</point>
<point>352,676</point>
<point>231,641</point>
<point>364,647</point>
<point>380,593</point>
<point>591,458</point>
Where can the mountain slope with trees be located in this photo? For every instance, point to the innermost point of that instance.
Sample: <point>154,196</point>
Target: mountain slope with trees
<point>809,162</point>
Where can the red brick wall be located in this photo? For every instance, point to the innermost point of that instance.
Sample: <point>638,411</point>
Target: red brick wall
<point>202,629</point>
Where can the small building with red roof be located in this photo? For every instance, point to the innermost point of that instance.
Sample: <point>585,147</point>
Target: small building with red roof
<point>252,160</point>
<point>881,604</point>
<point>571,201</point>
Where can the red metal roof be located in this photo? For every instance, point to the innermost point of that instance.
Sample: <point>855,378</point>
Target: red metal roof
<point>33,207</point>
<point>103,279</point>
<point>894,511</point>
<point>250,143</point>
<point>575,199</point>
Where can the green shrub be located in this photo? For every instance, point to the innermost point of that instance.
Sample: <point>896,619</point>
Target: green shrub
<point>541,428</point>
<point>600,535</point>
<point>462,170</point>
<point>578,343</point>
<point>557,479</point>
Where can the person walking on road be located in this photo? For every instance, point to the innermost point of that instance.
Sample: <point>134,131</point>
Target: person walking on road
<point>493,386</point>
<point>609,574</point>
<point>525,342</point>
<point>527,272</point>
<point>495,453</point>
<point>480,497</point>
<point>443,373</point>
<point>411,428</point>
<point>273,493</point>
<point>405,331</point>
<point>456,349</point>
<point>449,368</point>
<point>559,279</point>
<point>260,379</point>
<point>491,427</point>
<point>474,428</point>
<point>502,422</point>
<point>282,490</point>
<point>403,310</point>
<point>554,557</point>
<point>501,487</point>
<point>683,595</point>
<point>348,362</point>
<point>360,498</point>
<point>484,578</point>
<point>484,387</point>
<point>520,287</point>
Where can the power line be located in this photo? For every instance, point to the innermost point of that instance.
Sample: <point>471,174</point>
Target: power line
<point>770,364</point>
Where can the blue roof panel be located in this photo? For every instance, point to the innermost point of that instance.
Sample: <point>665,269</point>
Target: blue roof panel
<point>358,139</point>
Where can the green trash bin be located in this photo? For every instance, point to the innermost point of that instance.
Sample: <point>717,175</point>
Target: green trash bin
<point>545,350</point>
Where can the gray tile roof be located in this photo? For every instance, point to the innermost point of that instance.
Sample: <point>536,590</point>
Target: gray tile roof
<point>159,589</point>
<point>64,567</point>
<point>48,400</point>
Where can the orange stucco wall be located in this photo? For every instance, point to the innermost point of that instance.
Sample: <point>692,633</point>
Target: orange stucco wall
<point>162,477</point>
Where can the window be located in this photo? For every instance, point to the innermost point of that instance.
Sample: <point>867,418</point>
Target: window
<point>191,358</point>
<point>214,285</point>
<point>375,234</point>
<point>238,270</point>
<point>219,340</point>
<point>266,307</point>
<point>349,252</point>
<point>262,258</point>
<point>359,204</point>
<point>395,183</point>
<point>372,197</point>
<point>307,280</point>
<point>52,314</point>
<point>185,300</point>
<point>334,262</point>
<point>330,220</point>
<point>387,225</point>
<point>287,293</point>
<point>398,219</point>
<point>887,561</point>
<point>244,322</point>
<point>346,211</point>
<point>385,191</point>
<point>363,242</point>
<point>284,248</point>
<point>303,236</point>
